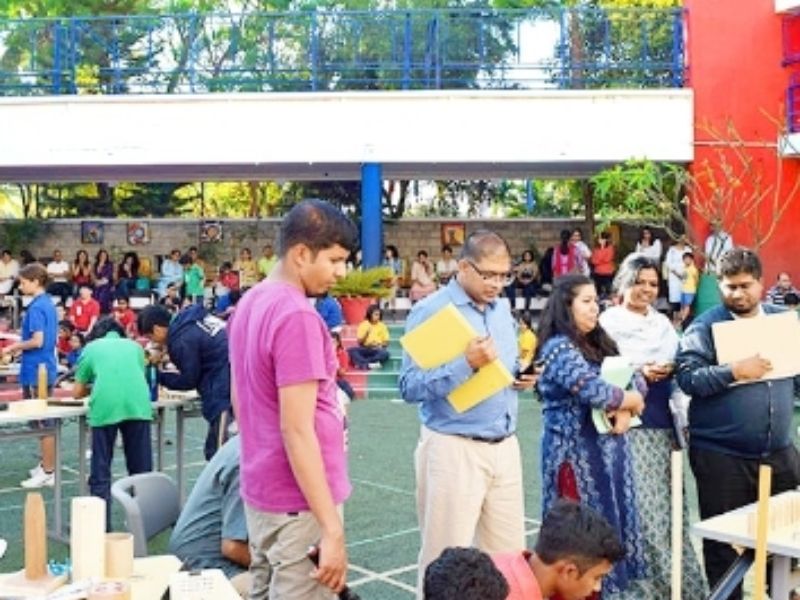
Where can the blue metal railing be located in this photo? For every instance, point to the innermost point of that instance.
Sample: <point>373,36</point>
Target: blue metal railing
<point>343,50</point>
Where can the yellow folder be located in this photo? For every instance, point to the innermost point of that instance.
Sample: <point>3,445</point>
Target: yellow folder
<point>440,339</point>
<point>489,380</point>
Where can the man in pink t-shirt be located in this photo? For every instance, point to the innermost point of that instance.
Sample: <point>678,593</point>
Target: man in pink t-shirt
<point>293,472</point>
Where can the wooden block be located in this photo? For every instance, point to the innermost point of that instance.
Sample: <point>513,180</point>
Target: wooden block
<point>88,538</point>
<point>27,407</point>
<point>16,585</point>
<point>762,531</point>
<point>35,537</point>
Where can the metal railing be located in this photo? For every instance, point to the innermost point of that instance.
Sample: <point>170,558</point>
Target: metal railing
<point>572,48</point>
<point>793,105</point>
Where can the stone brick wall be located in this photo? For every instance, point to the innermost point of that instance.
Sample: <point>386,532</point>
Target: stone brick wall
<point>409,235</point>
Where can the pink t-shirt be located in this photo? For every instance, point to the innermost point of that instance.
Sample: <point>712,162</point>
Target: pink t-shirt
<point>277,339</point>
<point>522,584</point>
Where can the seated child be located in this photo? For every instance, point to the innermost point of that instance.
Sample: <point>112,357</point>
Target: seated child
<point>373,338</point>
<point>125,316</point>
<point>226,290</point>
<point>343,361</point>
<point>464,574</point>
<point>63,346</point>
<point>172,298</point>
<point>526,341</point>
<point>576,548</point>
<point>76,343</point>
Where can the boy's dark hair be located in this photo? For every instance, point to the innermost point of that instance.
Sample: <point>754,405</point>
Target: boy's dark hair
<point>371,309</point>
<point>104,326</point>
<point>185,260</point>
<point>80,336</point>
<point>67,325</point>
<point>464,574</point>
<point>34,272</point>
<point>527,318</point>
<point>153,315</point>
<point>317,224</point>
<point>579,534</point>
<point>447,248</point>
<point>791,299</point>
<point>737,261</point>
<point>688,253</point>
<point>227,265</point>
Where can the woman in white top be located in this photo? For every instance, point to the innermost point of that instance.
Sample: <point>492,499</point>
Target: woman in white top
<point>649,341</point>
<point>422,277</point>
<point>673,272</point>
<point>583,250</point>
<point>649,245</point>
<point>447,266</point>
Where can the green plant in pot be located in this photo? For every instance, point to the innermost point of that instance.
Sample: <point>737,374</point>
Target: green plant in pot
<point>360,288</point>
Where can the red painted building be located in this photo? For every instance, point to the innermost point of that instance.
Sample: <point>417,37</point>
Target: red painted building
<point>736,56</point>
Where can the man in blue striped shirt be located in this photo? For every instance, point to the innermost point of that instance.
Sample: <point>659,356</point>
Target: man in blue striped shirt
<point>468,468</point>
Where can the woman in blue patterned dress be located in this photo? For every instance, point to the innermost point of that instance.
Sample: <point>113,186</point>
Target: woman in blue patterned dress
<point>577,461</point>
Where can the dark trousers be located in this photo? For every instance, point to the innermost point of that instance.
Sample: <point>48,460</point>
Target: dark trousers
<point>725,482</point>
<point>361,356</point>
<point>138,456</point>
<point>345,386</point>
<point>62,289</point>
<point>217,433</point>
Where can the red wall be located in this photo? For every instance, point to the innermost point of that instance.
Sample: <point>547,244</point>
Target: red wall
<point>734,67</point>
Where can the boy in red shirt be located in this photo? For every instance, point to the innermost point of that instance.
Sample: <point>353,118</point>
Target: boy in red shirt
<point>65,330</point>
<point>84,311</point>
<point>576,548</point>
<point>125,316</point>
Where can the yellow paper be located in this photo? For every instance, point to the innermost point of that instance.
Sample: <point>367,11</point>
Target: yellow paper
<point>440,339</point>
<point>489,380</point>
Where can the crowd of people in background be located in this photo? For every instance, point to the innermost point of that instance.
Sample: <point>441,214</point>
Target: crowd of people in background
<point>272,366</point>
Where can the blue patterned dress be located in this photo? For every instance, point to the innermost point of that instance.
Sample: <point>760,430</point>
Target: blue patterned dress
<point>570,387</point>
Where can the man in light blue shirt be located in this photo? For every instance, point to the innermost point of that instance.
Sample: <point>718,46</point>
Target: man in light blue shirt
<point>211,532</point>
<point>468,468</point>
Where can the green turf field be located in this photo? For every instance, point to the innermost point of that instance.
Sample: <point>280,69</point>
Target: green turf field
<point>382,534</point>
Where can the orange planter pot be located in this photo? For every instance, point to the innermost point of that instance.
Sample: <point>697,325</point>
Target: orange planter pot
<point>354,309</point>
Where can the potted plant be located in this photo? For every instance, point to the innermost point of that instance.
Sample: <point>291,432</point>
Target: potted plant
<point>360,288</point>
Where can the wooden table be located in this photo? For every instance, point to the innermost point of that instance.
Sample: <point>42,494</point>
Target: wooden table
<point>29,428</point>
<point>783,544</point>
<point>151,575</point>
<point>149,581</point>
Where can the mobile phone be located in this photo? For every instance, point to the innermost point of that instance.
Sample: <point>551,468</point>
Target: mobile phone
<point>530,369</point>
<point>346,593</point>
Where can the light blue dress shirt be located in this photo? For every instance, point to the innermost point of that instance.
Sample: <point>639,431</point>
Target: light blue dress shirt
<point>494,417</point>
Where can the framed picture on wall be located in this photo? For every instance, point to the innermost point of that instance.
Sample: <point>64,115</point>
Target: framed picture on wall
<point>92,232</point>
<point>453,234</point>
<point>138,233</point>
<point>210,231</point>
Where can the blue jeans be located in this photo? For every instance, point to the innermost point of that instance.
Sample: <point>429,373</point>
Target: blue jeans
<point>138,456</point>
<point>361,356</point>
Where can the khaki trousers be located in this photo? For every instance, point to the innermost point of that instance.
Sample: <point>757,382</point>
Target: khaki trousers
<point>279,564</point>
<point>468,493</point>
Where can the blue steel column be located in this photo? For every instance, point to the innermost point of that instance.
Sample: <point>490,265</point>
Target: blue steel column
<point>371,215</point>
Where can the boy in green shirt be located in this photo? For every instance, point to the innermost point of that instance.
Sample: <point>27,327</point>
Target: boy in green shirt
<point>119,401</point>
<point>194,279</point>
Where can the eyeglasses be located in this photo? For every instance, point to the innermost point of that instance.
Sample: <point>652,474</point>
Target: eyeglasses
<point>501,278</point>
